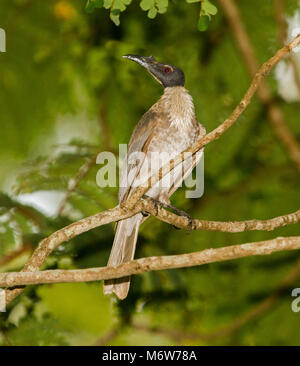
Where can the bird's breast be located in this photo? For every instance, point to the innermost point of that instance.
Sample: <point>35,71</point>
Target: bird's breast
<point>179,106</point>
<point>177,125</point>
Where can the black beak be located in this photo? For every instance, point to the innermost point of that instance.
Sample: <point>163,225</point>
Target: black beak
<point>141,60</point>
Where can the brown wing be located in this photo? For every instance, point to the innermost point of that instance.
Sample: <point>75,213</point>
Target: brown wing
<point>139,141</point>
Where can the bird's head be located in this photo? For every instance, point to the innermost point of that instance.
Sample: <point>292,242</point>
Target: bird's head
<point>167,75</point>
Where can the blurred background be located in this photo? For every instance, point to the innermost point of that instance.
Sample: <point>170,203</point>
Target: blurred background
<point>66,94</point>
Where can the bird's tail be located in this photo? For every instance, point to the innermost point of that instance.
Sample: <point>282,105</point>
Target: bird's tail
<point>123,251</point>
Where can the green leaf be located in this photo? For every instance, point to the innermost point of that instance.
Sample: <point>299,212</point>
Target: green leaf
<point>108,4</point>
<point>162,3</point>
<point>193,1</point>
<point>118,5</point>
<point>147,4</point>
<point>115,16</point>
<point>162,10</point>
<point>152,13</point>
<point>209,8</point>
<point>203,23</point>
<point>162,6</point>
<point>92,4</point>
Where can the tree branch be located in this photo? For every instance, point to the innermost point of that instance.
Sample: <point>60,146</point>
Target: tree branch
<point>134,204</point>
<point>217,132</point>
<point>67,233</point>
<point>274,113</point>
<point>184,222</point>
<point>149,264</point>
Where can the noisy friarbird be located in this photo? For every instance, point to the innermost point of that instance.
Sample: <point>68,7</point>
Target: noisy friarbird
<point>170,126</point>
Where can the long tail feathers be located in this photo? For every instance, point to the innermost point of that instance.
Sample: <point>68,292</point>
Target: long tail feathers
<point>123,251</point>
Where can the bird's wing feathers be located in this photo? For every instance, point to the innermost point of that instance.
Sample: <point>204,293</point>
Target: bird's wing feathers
<point>152,129</point>
<point>139,142</point>
<point>190,164</point>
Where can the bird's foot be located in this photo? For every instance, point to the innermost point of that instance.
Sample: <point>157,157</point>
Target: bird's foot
<point>191,222</point>
<point>158,204</point>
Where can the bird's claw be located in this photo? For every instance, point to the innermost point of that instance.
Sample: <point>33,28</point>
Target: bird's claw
<point>158,204</point>
<point>191,222</point>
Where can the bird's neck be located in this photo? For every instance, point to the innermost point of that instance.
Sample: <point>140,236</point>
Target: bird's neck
<point>179,105</point>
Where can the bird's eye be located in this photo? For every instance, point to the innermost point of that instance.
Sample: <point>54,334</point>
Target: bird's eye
<point>167,70</point>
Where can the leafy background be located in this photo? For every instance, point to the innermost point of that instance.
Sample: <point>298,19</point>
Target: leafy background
<point>66,94</point>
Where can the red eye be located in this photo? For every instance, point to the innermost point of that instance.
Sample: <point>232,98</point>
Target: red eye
<point>167,70</point>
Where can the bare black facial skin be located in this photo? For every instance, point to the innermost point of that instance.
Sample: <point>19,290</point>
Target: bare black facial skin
<point>167,75</point>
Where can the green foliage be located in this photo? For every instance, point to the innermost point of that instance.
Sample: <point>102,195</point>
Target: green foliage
<point>206,11</point>
<point>153,7</point>
<point>115,7</point>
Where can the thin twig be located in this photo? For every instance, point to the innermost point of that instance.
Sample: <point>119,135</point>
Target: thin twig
<point>184,222</point>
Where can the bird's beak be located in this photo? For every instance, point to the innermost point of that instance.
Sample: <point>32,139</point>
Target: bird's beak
<point>141,60</point>
<point>149,63</point>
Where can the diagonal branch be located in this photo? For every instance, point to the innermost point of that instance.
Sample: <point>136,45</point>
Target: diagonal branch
<point>134,204</point>
<point>149,264</point>
<point>217,132</point>
<point>274,113</point>
<point>65,234</point>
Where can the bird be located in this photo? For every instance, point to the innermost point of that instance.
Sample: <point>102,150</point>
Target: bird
<point>168,128</point>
